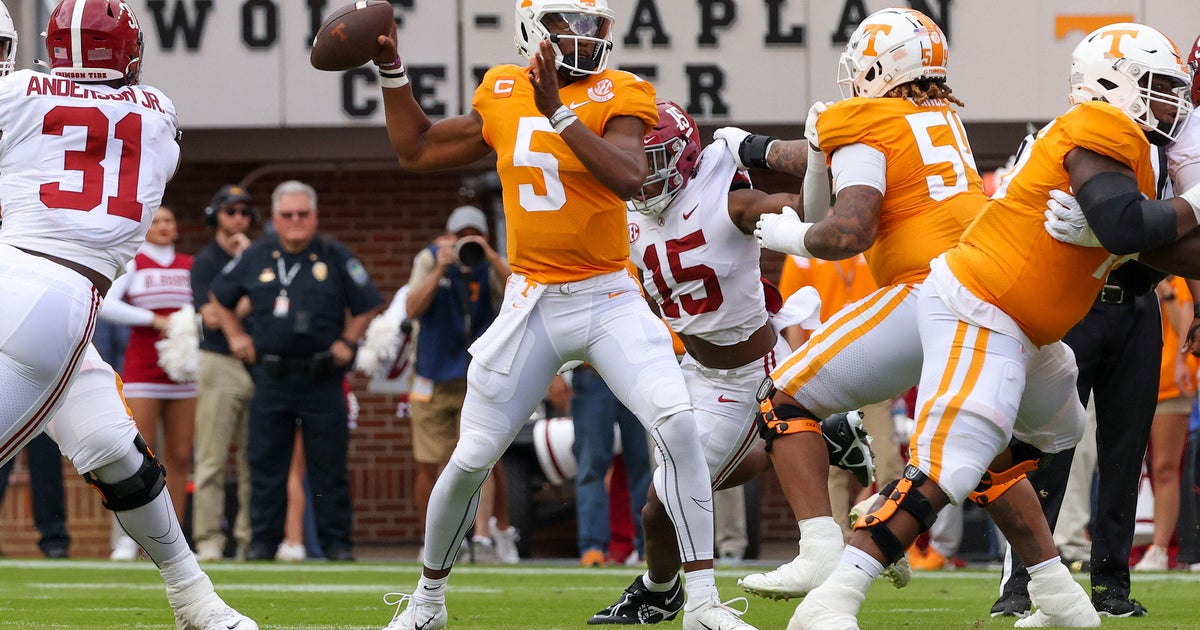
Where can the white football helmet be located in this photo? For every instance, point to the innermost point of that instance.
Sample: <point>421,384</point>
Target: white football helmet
<point>1118,64</point>
<point>890,48</point>
<point>8,42</point>
<point>582,21</point>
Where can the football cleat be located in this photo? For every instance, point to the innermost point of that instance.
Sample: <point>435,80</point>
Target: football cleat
<point>717,615</point>
<point>207,611</point>
<point>506,542</point>
<point>849,446</point>
<point>639,605</point>
<point>1011,605</point>
<point>830,608</point>
<point>1061,602</point>
<point>1120,607</point>
<point>418,615</point>
<point>806,572</point>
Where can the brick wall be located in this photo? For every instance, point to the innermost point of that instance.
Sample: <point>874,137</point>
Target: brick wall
<point>384,215</point>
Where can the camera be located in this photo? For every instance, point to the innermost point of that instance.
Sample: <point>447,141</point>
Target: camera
<point>469,252</point>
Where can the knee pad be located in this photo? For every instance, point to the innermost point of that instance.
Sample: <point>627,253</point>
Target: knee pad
<point>776,420</point>
<point>901,494</point>
<point>993,484</point>
<point>143,487</point>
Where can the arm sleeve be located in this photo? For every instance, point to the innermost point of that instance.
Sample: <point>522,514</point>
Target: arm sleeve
<point>859,165</point>
<point>1124,221</point>
<point>816,187</point>
<point>117,310</point>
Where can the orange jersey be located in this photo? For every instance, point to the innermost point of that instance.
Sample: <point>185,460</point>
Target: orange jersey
<point>1167,387</point>
<point>1007,258</point>
<point>839,282</point>
<point>562,224</point>
<point>933,188</point>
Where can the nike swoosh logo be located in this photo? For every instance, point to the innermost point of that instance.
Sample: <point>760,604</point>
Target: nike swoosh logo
<point>429,588</point>
<point>615,294</point>
<point>573,104</point>
<point>674,596</point>
<point>722,398</point>
<point>688,214</point>
<point>234,625</point>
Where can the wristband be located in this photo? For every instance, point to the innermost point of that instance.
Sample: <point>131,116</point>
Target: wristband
<point>390,66</point>
<point>394,77</point>
<point>1192,196</point>
<point>349,344</point>
<point>1196,310</point>
<point>753,150</point>
<point>562,118</point>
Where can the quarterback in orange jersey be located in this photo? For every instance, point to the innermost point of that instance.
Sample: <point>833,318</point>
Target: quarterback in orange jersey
<point>994,303</point>
<point>567,133</point>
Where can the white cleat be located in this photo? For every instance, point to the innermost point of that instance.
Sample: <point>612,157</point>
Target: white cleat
<point>1061,603</point>
<point>506,542</point>
<point>417,615</point>
<point>210,612</point>
<point>796,578</point>
<point>717,615</point>
<point>827,608</point>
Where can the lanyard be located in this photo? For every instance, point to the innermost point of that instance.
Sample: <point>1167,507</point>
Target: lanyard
<point>286,276</point>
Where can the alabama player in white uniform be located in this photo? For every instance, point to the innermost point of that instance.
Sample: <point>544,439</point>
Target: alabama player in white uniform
<point>84,157</point>
<point>692,238</point>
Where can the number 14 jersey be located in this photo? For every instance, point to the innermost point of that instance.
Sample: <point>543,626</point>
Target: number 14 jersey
<point>83,166</point>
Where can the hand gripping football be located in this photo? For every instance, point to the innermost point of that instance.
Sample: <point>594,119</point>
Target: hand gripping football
<point>350,36</point>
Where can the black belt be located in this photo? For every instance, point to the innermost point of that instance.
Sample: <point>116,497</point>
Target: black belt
<point>1112,294</point>
<point>316,366</point>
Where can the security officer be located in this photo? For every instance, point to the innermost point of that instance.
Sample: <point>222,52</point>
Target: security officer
<point>300,287</point>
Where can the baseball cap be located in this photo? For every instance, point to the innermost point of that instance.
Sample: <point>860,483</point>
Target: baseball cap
<point>465,217</point>
<point>228,194</point>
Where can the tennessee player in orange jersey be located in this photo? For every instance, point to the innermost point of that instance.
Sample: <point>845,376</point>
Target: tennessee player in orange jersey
<point>900,217</point>
<point>567,134</point>
<point>996,303</point>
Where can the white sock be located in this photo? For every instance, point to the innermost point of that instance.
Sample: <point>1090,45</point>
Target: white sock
<point>180,571</point>
<point>431,590</point>
<point>701,586</point>
<point>1043,565</point>
<point>854,557</point>
<point>655,587</point>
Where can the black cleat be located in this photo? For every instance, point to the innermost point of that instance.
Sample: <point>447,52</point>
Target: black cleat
<point>849,446</point>
<point>638,605</point>
<point>1119,607</point>
<point>1012,605</point>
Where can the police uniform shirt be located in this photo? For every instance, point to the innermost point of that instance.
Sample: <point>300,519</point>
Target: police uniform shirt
<point>298,301</point>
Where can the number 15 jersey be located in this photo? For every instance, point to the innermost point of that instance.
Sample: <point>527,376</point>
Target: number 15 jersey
<point>83,166</point>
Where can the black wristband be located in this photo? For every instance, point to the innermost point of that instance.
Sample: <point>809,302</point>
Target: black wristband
<point>349,344</point>
<point>753,150</point>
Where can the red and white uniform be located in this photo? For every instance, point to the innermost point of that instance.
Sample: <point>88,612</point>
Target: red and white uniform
<point>82,168</point>
<point>158,282</point>
<point>703,272</point>
<point>1183,156</point>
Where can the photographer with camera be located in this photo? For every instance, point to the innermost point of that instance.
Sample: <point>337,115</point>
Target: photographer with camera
<point>453,295</point>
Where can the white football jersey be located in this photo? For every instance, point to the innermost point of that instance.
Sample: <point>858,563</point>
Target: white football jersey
<point>83,166</point>
<point>696,264</point>
<point>1183,155</point>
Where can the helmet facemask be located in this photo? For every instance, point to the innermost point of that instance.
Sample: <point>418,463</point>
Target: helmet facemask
<point>663,160</point>
<point>585,24</point>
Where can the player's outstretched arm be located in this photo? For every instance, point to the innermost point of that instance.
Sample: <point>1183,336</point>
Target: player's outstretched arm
<point>747,205</point>
<point>419,143</point>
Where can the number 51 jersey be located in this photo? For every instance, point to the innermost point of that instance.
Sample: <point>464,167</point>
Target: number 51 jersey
<point>83,166</point>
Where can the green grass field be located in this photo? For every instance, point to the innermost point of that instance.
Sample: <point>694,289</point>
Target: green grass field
<point>95,594</point>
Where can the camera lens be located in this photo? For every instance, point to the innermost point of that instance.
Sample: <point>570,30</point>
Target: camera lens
<point>470,253</point>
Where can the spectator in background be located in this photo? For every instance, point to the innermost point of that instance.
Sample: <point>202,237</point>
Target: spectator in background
<point>156,283</point>
<point>224,389</point>
<point>453,295</point>
<point>595,410</point>
<point>1169,430</point>
<point>48,498</point>
<point>300,287</point>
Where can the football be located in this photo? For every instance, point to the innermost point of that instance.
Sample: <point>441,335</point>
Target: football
<point>350,36</point>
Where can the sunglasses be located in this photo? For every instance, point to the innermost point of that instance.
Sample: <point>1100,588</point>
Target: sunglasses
<point>298,215</point>
<point>246,212</point>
